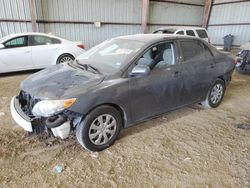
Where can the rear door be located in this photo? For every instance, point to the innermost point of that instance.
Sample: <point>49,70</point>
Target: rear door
<point>197,70</point>
<point>44,50</point>
<point>161,90</point>
<point>16,55</point>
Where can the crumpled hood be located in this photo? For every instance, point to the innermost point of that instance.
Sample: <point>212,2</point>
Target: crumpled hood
<point>60,81</point>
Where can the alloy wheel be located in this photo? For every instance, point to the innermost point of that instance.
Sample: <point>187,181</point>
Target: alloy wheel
<point>65,59</point>
<point>216,93</point>
<point>102,129</point>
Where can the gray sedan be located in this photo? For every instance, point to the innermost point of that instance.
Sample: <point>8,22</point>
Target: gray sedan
<point>121,82</point>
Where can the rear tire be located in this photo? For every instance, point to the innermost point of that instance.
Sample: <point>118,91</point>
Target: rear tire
<point>215,94</point>
<point>100,128</point>
<point>65,58</point>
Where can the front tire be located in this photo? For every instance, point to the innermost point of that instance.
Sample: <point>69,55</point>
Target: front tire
<point>100,128</point>
<point>215,94</point>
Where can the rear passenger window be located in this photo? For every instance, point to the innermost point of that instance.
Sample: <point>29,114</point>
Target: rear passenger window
<point>192,50</point>
<point>41,40</point>
<point>180,33</point>
<point>190,33</point>
<point>202,33</point>
<point>56,41</point>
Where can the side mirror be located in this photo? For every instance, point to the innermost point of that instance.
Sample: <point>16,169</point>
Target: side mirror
<point>140,71</point>
<point>2,46</point>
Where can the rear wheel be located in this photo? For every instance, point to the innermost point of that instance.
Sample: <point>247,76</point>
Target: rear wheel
<point>64,58</point>
<point>215,94</point>
<point>100,128</point>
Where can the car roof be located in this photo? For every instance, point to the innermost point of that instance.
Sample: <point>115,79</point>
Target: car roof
<point>7,37</point>
<point>154,37</point>
<point>180,27</point>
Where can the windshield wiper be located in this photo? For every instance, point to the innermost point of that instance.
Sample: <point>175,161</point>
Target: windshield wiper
<point>93,68</point>
<point>88,67</point>
<point>76,65</point>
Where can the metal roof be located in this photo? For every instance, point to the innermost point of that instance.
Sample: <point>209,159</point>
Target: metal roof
<point>153,37</point>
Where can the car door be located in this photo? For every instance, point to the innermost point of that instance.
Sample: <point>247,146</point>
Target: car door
<point>44,50</point>
<point>161,90</point>
<point>16,55</point>
<point>197,70</point>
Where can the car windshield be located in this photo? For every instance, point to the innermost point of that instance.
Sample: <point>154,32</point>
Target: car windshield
<point>110,55</point>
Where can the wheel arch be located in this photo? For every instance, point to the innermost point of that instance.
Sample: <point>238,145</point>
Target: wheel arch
<point>117,107</point>
<point>222,78</point>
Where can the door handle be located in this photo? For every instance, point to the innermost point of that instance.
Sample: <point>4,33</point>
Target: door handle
<point>27,51</point>
<point>212,66</point>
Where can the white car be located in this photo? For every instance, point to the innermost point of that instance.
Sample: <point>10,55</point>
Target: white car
<point>26,51</point>
<point>199,32</point>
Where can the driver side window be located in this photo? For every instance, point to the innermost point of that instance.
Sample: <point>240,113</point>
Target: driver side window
<point>160,56</point>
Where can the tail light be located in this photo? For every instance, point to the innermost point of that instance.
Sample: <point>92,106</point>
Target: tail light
<point>81,46</point>
<point>235,61</point>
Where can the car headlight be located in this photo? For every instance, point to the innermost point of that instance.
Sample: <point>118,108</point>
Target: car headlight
<point>46,108</point>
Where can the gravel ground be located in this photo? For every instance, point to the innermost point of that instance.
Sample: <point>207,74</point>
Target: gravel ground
<point>189,147</point>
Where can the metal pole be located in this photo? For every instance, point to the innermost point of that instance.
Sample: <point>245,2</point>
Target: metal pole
<point>32,7</point>
<point>207,12</point>
<point>145,13</point>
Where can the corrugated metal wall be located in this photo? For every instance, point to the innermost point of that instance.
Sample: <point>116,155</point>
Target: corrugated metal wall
<point>88,33</point>
<point>112,13</point>
<point>224,1</point>
<point>165,13</point>
<point>230,15</point>
<point>118,17</point>
<point>15,10</point>
<point>91,10</point>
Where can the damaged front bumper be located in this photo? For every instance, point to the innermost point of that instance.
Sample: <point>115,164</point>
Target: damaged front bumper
<point>31,124</point>
<point>19,116</point>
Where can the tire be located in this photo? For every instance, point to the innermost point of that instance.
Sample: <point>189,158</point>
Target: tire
<point>90,132</point>
<point>64,58</point>
<point>215,94</point>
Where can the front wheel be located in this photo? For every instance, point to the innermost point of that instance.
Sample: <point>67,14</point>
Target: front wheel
<point>100,128</point>
<point>215,94</point>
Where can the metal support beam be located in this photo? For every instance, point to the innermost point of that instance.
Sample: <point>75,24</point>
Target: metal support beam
<point>179,3</point>
<point>145,13</point>
<point>207,12</point>
<point>33,15</point>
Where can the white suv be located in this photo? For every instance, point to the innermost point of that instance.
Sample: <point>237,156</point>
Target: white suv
<point>199,32</point>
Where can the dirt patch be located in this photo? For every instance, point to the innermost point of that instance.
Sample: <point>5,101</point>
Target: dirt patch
<point>190,147</point>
